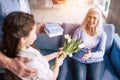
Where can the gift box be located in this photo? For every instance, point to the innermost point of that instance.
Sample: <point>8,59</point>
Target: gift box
<point>53,29</point>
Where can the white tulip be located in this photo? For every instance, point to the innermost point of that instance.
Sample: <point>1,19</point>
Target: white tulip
<point>69,40</point>
<point>66,36</point>
<point>70,55</point>
<point>82,45</point>
<point>76,51</point>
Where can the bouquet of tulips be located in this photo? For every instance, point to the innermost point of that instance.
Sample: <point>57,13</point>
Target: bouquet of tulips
<point>71,45</point>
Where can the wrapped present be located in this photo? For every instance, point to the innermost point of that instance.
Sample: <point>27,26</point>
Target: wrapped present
<point>53,29</point>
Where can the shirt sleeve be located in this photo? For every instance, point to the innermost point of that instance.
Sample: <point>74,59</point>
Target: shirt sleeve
<point>99,53</point>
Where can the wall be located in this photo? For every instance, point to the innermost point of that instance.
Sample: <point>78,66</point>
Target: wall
<point>47,3</point>
<point>61,14</point>
<point>40,3</point>
<point>114,14</point>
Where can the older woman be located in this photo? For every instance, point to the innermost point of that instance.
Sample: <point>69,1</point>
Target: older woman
<point>88,62</point>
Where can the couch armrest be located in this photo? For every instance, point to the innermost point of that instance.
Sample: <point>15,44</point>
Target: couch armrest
<point>115,54</point>
<point>109,29</point>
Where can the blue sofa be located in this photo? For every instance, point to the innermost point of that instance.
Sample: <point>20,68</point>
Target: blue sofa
<point>112,54</point>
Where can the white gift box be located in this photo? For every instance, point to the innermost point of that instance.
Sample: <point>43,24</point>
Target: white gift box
<point>53,29</point>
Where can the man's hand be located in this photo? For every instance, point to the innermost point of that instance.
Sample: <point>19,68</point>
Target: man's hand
<point>18,67</point>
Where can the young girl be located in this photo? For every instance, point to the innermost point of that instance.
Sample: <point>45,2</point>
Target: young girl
<point>19,32</point>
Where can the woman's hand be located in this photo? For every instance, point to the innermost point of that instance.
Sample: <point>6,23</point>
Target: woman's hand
<point>87,55</point>
<point>18,67</point>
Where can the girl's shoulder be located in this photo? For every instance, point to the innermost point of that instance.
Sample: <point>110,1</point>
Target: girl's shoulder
<point>30,52</point>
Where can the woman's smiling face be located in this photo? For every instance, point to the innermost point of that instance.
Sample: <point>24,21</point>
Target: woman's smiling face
<point>92,19</point>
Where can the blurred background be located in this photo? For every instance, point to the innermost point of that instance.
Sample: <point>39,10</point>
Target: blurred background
<point>74,11</point>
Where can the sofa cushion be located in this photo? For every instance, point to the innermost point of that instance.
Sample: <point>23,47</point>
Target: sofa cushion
<point>115,54</point>
<point>69,28</point>
<point>109,29</point>
<point>46,43</point>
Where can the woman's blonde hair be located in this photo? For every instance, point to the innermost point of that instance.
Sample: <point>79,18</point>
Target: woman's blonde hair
<point>99,25</point>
